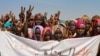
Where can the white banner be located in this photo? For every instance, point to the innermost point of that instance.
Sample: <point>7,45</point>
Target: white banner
<point>12,45</point>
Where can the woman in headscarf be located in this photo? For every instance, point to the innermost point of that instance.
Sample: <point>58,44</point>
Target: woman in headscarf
<point>97,32</point>
<point>80,28</point>
<point>47,33</point>
<point>71,32</point>
<point>97,27</point>
<point>88,23</point>
<point>94,21</point>
<point>38,30</point>
<point>58,32</point>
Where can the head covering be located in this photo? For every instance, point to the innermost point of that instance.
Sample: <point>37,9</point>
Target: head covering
<point>85,17</point>
<point>46,29</point>
<point>7,24</point>
<point>40,27</point>
<point>98,20</point>
<point>79,23</point>
<point>56,27</point>
<point>96,31</point>
<point>63,25</point>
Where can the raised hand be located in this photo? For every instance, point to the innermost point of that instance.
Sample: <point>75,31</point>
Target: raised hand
<point>10,14</point>
<point>58,12</point>
<point>22,9</point>
<point>29,11</point>
<point>31,8</point>
<point>45,14</point>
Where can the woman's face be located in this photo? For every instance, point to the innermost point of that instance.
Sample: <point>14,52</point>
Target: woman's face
<point>30,23</point>
<point>80,30</point>
<point>47,35</point>
<point>72,26</point>
<point>37,33</point>
<point>58,34</point>
<point>98,28</point>
<point>88,25</point>
<point>38,20</point>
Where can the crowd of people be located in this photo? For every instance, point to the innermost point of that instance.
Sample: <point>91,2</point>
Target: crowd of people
<point>39,27</point>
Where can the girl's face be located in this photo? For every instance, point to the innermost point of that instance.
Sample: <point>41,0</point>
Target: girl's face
<point>37,33</point>
<point>30,23</point>
<point>72,26</point>
<point>80,30</point>
<point>58,34</point>
<point>98,28</point>
<point>47,35</point>
<point>38,20</point>
<point>88,25</point>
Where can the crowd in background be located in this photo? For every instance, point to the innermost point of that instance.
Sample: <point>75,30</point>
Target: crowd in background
<point>39,27</point>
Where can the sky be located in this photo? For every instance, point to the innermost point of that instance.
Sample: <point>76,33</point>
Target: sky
<point>70,9</point>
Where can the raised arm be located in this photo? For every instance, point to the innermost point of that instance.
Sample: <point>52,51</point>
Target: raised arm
<point>29,12</point>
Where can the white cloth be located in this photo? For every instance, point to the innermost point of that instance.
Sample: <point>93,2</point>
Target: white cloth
<point>12,45</point>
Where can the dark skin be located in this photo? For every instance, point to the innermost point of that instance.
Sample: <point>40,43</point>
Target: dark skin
<point>38,20</point>
<point>51,21</point>
<point>20,24</point>
<point>47,36</point>
<point>98,28</point>
<point>44,17</point>
<point>71,31</point>
<point>56,18</point>
<point>88,24</point>
<point>22,14</point>
<point>28,16</point>
<point>71,25</point>
<point>29,12</point>
<point>80,31</point>
<point>38,33</point>
<point>58,35</point>
<point>67,24</point>
<point>30,23</point>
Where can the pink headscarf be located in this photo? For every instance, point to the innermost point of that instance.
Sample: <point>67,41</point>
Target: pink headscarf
<point>98,20</point>
<point>46,29</point>
<point>80,22</point>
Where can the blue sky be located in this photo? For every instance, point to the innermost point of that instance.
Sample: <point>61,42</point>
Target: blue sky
<point>70,9</point>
